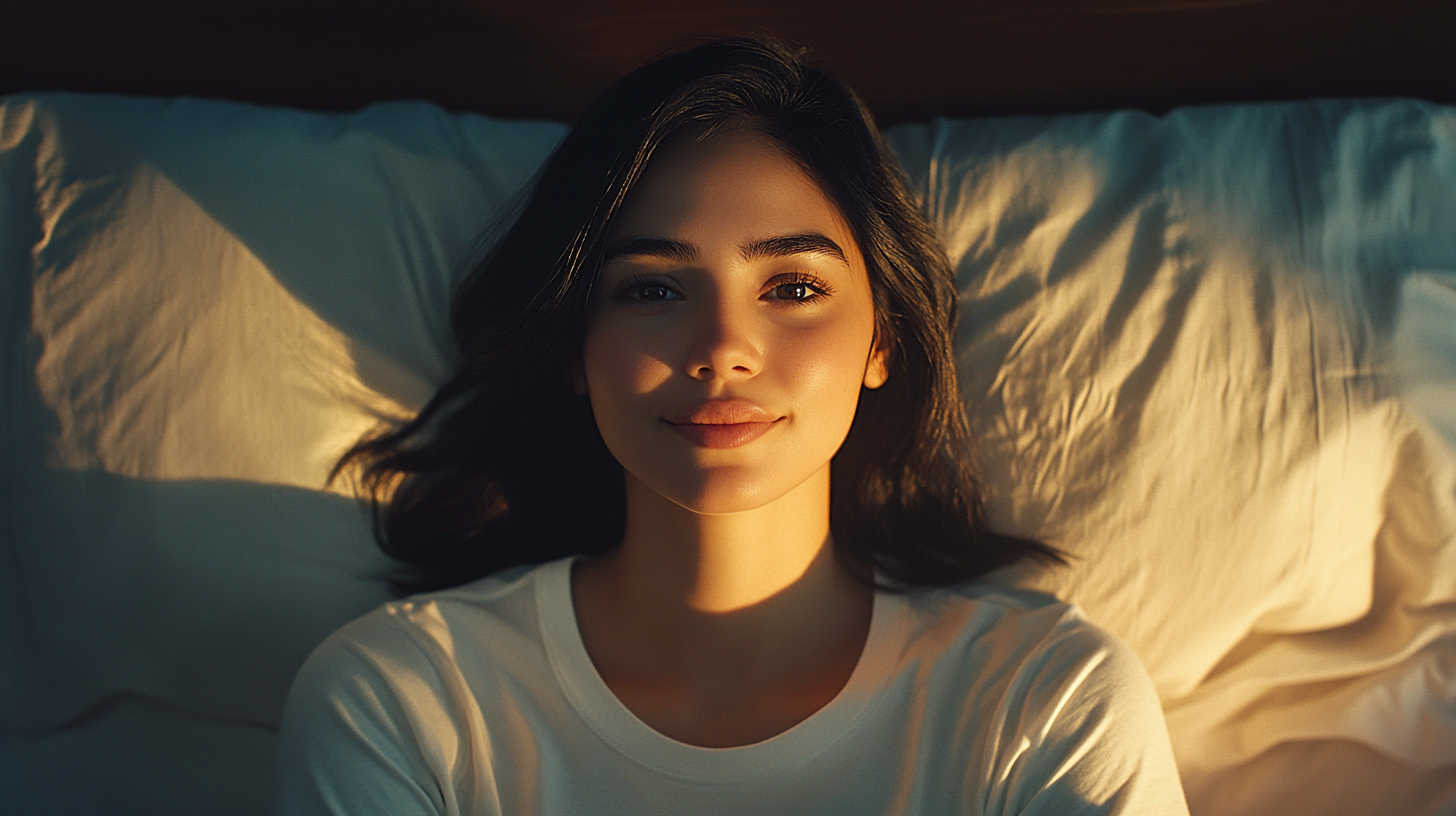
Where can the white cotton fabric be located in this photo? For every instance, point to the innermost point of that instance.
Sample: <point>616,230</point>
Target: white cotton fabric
<point>1207,353</point>
<point>204,303</point>
<point>1210,353</point>
<point>482,700</point>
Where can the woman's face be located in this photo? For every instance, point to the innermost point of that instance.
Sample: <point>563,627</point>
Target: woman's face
<point>732,327</point>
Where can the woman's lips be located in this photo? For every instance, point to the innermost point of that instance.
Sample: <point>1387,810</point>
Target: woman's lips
<point>722,423</point>
<point>721,436</point>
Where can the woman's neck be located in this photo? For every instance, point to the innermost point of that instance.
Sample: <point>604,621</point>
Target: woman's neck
<point>729,615</point>
<point>716,564</point>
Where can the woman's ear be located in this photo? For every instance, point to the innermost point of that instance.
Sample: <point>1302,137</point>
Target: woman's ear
<point>877,370</point>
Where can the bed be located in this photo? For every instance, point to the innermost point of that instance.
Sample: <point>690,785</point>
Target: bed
<point>1208,344</point>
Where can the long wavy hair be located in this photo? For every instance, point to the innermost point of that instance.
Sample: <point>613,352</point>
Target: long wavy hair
<point>504,466</point>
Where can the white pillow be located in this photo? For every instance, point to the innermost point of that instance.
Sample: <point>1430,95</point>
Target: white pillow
<point>208,303</point>
<point>1177,349</point>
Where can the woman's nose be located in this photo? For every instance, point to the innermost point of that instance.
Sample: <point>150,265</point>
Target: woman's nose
<point>724,343</point>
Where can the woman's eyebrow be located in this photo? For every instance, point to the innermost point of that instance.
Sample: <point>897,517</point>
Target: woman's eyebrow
<point>651,248</point>
<point>808,243</point>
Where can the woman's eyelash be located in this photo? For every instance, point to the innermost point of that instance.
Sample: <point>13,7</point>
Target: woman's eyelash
<point>813,288</point>
<point>794,289</point>
<point>638,287</point>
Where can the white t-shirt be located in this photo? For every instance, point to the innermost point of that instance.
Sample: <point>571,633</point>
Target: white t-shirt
<point>482,700</point>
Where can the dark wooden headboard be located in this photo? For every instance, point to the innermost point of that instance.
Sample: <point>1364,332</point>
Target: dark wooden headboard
<point>909,59</point>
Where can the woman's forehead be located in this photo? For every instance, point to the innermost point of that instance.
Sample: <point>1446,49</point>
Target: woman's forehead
<point>738,178</point>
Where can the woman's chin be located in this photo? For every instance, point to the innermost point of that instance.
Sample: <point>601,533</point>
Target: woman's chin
<point>715,499</point>
<point>725,491</point>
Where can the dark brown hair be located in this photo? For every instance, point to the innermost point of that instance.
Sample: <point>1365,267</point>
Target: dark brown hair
<point>504,466</point>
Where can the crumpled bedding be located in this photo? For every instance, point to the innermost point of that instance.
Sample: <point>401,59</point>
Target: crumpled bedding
<point>1211,354</point>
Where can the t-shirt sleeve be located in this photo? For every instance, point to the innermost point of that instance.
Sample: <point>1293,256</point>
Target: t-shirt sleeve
<point>1081,732</point>
<point>350,741</point>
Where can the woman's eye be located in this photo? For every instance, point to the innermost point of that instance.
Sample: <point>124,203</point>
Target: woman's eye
<point>652,292</point>
<point>800,291</point>
<point>646,291</point>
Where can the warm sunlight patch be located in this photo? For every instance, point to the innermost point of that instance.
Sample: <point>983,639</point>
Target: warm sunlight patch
<point>152,376</point>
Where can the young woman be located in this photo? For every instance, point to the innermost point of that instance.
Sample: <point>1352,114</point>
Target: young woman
<point>701,488</point>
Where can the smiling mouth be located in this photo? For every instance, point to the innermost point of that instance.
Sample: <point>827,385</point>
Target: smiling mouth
<point>722,423</point>
<point>729,435</point>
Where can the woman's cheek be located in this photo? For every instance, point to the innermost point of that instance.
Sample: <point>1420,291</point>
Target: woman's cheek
<point>835,358</point>
<point>623,361</point>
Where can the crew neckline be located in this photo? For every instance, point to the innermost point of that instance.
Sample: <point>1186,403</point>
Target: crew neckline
<point>615,724</point>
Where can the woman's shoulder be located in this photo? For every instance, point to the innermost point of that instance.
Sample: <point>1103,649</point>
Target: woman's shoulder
<point>1062,711</point>
<point>1029,637</point>
<point>981,610</point>
<point>426,628</point>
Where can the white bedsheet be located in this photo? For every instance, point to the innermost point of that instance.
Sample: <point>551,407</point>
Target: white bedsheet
<point>1212,354</point>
